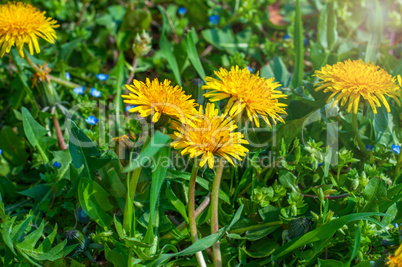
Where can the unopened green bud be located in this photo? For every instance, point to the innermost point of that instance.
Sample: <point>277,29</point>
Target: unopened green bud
<point>355,184</point>
<point>315,216</point>
<point>142,44</point>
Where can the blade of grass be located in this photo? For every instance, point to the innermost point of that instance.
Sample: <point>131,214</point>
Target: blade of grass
<point>193,54</point>
<point>299,49</point>
<point>166,48</point>
<point>376,29</point>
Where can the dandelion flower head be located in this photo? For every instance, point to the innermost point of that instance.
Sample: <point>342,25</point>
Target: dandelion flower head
<point>247,92</point>
<point>209,135</point>
<point>350,81</point>
<point>21,24</point>
<point>159,98</point>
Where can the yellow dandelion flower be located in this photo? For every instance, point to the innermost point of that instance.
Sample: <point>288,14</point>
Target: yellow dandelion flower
<point>396,260</point>
<point>157,98</point>
<point>246,91</point>
<point>210,135</point>
<point>351,80</point>
<point>22,23</point>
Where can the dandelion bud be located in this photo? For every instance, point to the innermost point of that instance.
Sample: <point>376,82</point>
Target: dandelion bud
<point>142,44</point>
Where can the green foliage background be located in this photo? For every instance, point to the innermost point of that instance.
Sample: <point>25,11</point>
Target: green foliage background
<point>304,209</point>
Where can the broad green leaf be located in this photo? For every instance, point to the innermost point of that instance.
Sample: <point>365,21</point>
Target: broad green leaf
<point>157,142</point>
<point>327,33</point>
<point>36,134</point>
<point>94,201</point>
<point>84,152</point>
<point>201,244</point>
<point>119,73</point>
<point>330,263</point>
<point>161,162</point>
<point>17,234</point>
<point>13,146</point>
<point>288,180</point>
<point>30,241</point>
<point>383,127</point>
<point>193,54</point>
<point>276,68</point>
<point>64,158</point>
<point>375,27</point>
<point>373,191</point>
<point>6,233</point>
<point>322,232</point>
<point>299,48</point>
<point>166,48</point>
<point>175,201</point>
<point>356,246</point>
<point>116,258</point>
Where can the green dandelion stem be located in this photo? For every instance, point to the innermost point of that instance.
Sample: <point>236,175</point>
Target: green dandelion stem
<point>355,127</point>
<point>192,216</point>
<point>214,212</point>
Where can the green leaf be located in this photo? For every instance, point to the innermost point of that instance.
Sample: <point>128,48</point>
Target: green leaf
<point>36,134</point>
<point>356,246</point>
<point>193,54</point>
<point>382,126</point>
<point>173,175</point>
<point>201,244</point>
<point>327,33</point>
<point>166,48</point>
<point>329,263</point>
<point>94,201</point>
<point>375,27</point>
<point>175,201</point>
<point>7,230</point>
<point>119,72</point>
<point>116,258</point>
<point>157,142</point>
<point>322,232</point>
<point>288,180</point>
<point>84,152</point>
<point>161,163</point>
<point>64,158</point>
<point>373,191</point>
<point>67,48</point>
<point>13,146</point>
<point>299,48</point>
<point>277,69</point>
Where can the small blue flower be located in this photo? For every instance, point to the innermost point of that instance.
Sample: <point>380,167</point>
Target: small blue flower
<point>92,120</point>
<point>128,107</point>
<point>1,151</point>
<point>68,76</point>
<point>396,149</point>
<point>182,10</point>
<point>79,90</point>
<point>57,164</point>
<point>320,164</point>
<point>396,225</point>
<point>250,69</point>
<point>95,93</point>
<point>82,216</point>
<point>102,77</point>
<point>305,42</point>
<point>369,147</point>
<point>286,36</point>
<point>214,19</point>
